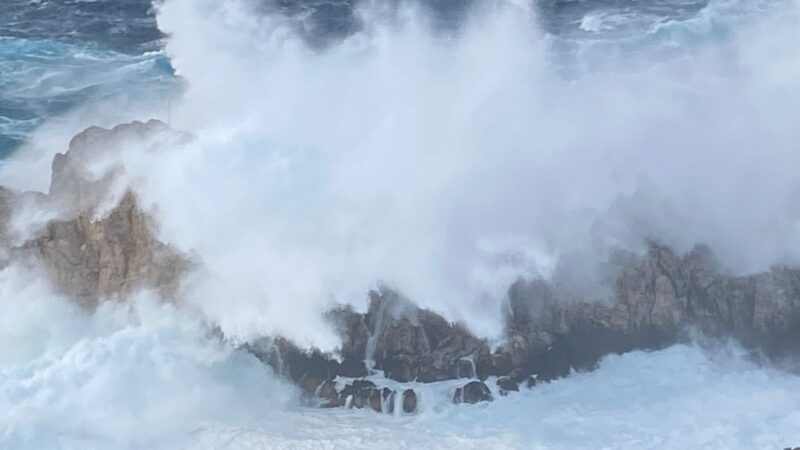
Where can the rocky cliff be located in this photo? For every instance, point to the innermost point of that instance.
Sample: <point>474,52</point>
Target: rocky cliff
<point>100,243</point>
<point>658,297</point>
<point>91,251</point>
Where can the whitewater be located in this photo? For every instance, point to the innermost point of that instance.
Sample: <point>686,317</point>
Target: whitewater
<point>152,378</point>
<point>442,150</point>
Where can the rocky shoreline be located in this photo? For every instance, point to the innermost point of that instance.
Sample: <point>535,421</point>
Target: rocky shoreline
<point>656,298</point>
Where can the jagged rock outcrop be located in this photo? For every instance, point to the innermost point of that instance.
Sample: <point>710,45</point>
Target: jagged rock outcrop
<point>102,244</point>
<point>657,296</point>
<point>409,401</point>
<point>94,259</point>
<point>409,343</point>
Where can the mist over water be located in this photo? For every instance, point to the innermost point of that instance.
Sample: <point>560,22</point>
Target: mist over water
<point>444,156</point>
<point>448,163</point>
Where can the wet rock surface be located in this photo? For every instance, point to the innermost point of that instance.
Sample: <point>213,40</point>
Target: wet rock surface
<point>506,385</point>
<point>656,298</point>
<point>366,394</point>
<point>99,243</point>
<point>473,392</point>
<point>409,401</point>
<point>406,342</point>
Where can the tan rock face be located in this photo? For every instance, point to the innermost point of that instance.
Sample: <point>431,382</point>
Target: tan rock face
<point>92,258</point>
<point>84,176</point>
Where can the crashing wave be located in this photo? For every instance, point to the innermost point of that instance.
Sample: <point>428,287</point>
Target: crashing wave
<point>99,244</point>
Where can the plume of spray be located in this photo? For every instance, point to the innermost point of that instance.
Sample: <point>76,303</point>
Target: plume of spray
<point>444,164</point>
<point>448,164</point>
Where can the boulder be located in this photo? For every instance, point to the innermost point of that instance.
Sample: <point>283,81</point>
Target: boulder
<point>473,392</point>
<point>327,390</point>
<point>362,392</point>
<point>506,385</point>
<point>409,401</point>
<point>309,369</point>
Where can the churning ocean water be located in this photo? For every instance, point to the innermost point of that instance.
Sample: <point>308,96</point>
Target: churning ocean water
<point>59,55</point>
<point>333,133</point>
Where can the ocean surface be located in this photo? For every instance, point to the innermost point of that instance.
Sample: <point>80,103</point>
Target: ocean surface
<point>57,55</point>
<point>448,146</point>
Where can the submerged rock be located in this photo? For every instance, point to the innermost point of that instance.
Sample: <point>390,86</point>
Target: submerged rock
<point>363,393</point>
<point>94,259</point>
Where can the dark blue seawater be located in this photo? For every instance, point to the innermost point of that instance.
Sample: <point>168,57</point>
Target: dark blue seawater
<point>56,55</point>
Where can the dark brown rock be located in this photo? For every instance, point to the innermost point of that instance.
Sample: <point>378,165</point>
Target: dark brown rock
<point>466,369</point>
<point>473,392</point>
<point>388,399</point>
<point>364,394</point>
<point>506,385</point>
<point>375,400</point>
<point>655,297</point>
<point>409,401</point>
<point>416,344</point>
